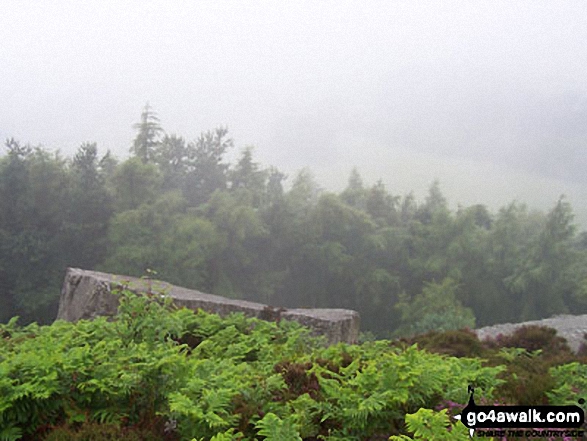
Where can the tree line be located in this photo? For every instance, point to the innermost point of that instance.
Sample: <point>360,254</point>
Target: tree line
<point>178,208</point>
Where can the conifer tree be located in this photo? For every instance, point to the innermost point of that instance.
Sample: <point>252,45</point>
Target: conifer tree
<point>148,137</point>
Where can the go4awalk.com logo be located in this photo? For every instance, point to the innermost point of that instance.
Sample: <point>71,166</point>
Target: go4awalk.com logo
<point>523,421</point>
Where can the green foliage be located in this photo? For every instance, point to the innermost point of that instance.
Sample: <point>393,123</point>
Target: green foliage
<point>544,281</point>
<point>530,354</point>
<point>173,156</point>
<point>249,179</point>
<point>156,371</point>
<point>10,433</point>
<point>527,378</point>
<point>137,375</point>
<point>33,199</point>
<point>429,425</point>
<point>135,183</point>
<point>165,237</point>
<point>89,209</point>
<point>456,343</point>
<point>531,358</point>
<point>101,371</point>
<point>274,428</point>
<point>354,194</point>
<point>207,172</point>
<point>183,209</point>
<point>570,383</point>
<point>229,435</point>
<point>436,308</point>
<point>147,139</point>
<point>380,385</point>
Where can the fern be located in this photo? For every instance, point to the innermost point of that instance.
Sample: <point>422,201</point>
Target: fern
<point>274,428</point>
<point>228,435</point>
<point>10,434</point>
<point>234,378</point>
<point>427,425</point>
<point>570,383</point>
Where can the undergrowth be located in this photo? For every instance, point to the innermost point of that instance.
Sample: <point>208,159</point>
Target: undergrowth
<point>155,372</point>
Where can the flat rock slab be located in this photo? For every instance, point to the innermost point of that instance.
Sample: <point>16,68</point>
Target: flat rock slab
<point>571,327</point>
<point>88,294</point>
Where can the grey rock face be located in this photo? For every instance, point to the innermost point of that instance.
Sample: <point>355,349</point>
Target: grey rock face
<point>570,327</point>
<point>336,324</point>
<point>88,294</point>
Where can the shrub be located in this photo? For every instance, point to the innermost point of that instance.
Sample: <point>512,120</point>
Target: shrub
<point>456,343</point>
<point>534,338</point>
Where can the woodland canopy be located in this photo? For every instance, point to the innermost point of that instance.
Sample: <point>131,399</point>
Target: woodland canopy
<point>178,208</point>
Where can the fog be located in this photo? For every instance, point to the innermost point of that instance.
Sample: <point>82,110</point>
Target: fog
<point>489,97</point>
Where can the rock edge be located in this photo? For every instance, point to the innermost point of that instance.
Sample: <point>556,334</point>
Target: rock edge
<point>88,294</point>
<point>571,327</point>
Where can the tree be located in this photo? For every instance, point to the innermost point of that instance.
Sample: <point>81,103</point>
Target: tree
<point>435,309</point>
<point>354,194</point>
<point>468,259</point>
<point>324,252</point>
<point>304,192</point>
<point>107,165</point>
<point>135,183</point>
<point>172,157</point>
<point>207,171</point>
<point>408,209</point>
<point>14,182</point>
<point>89,209</point>
<point>509,242</point>
<point>544,282</point>
<point>481,216</point>
<point>148,137</point>
<point>381,205</point>
<point>189,248</point>
<point>335,221</point>
<point>578,301</point>
<point>275,209</point>
<point>33,194</point>
<point>287,218</point>
<point>165,238</point>
<point>430,233</point>
<point>435,204</point>
<point>238,270</point>
<point>275,181</point>
<point>248,177</point>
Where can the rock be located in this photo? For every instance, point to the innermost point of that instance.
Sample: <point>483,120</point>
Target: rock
<point>88,294</point>
<point>336,324</point>
<point>570,327</point>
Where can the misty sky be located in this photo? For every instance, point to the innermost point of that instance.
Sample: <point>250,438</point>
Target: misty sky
<point>490,97</point>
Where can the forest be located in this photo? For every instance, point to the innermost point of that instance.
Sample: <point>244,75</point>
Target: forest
<point>179,209</point>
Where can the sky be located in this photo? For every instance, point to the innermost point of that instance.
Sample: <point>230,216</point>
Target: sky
<point>488,97</point>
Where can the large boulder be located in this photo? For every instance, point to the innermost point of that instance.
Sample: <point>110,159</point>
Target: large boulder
<point>88,294</point>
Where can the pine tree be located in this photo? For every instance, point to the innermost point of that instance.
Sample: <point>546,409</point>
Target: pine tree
<point>147,139</point>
